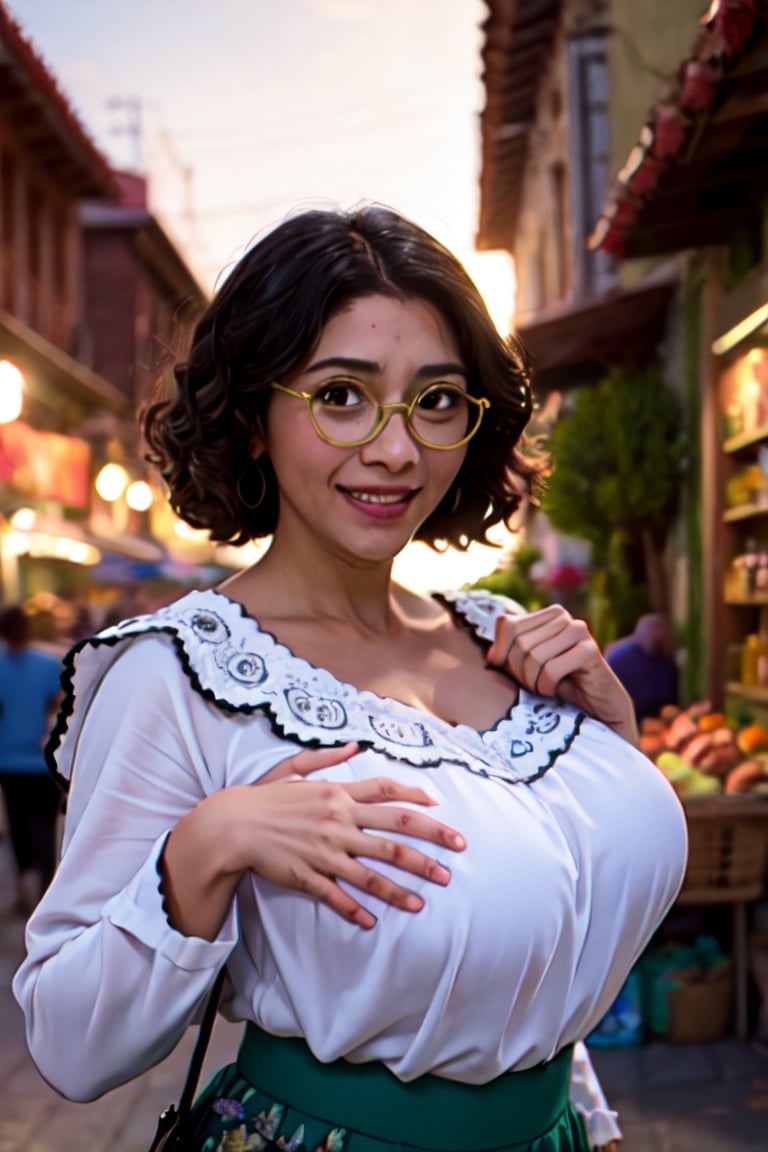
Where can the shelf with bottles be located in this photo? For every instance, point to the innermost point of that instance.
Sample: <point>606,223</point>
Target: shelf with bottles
<point>742,400</point>
<point>746,671</point>
<point>744,512</point>
<point>746,489</point>
<point>744,440</point>
<point>753,692</point>
<point>746,577</point>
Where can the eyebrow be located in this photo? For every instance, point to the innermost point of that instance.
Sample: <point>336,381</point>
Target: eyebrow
<point>372,367</point>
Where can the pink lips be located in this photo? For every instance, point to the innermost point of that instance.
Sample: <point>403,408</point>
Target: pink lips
<point>380,503</point>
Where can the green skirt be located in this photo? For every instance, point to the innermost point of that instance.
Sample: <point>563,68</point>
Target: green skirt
<point>278,1096</point>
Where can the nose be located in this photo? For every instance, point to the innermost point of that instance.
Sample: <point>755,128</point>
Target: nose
<point>394,447</point>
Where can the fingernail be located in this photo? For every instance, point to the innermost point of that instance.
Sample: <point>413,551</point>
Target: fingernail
<point>490,654</point>
<point>440,875</point>
<point>458,841</point>
<point>413,903</point>
<point>364,919</point>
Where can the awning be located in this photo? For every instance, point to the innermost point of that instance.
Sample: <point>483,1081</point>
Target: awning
<point>48,532</point>
<point>142,549</point>
<point>623,326</point>
<point>52,376</point>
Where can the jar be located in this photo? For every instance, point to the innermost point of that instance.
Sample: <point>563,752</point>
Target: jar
<point>749,657</point>
<point>761,662</point>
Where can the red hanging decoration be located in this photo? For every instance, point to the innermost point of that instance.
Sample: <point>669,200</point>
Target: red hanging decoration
<point>700,83</point>
<point>670,129</point>
<point>735,22</point>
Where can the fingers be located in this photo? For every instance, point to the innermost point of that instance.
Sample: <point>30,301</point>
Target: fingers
<point>311,760</point>
<point>552,654</point>
<point>381,789</point>
<point>541,649</point>
<point>327,891</point>
<point>327,834</point>
<point>360,875</point>
<point>386,818</point>
<point>322,879</point>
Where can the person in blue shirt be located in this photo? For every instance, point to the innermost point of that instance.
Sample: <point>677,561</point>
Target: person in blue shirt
<point>29,693</point>
<point>645,664</point>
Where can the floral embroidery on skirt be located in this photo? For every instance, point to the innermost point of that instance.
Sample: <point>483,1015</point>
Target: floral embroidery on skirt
<point>234,1116</point>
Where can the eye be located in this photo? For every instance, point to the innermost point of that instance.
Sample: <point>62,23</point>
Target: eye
<point>340,394</point>
<point>442,398</point>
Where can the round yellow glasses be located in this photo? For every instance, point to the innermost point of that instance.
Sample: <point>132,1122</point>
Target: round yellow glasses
<point>345,414</point>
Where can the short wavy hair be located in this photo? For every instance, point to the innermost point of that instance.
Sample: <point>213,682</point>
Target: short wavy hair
<point>263,325</point>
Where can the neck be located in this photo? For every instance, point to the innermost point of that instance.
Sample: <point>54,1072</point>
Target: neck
<point>320,587</point>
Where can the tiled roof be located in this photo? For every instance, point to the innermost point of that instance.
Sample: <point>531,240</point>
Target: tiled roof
<point>699,167</point>
<point>41,114</point>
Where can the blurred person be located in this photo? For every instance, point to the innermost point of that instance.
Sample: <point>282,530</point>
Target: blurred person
<point>645,664</point>
<point>415,830</point>
<point>29,693</point>
<point>131,601</point>
<point>50,622</point>
<point>83,620</point>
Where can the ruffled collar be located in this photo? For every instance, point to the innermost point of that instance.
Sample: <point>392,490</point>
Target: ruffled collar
<point>239,667</point>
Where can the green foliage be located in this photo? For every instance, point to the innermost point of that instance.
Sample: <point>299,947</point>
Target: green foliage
<point>614,602</point>
<point>514,579</point>
<point>618,459</point>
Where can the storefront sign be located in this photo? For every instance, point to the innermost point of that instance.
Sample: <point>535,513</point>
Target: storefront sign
<point>44,465</point>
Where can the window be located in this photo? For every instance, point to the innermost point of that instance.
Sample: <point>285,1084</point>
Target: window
<point>590,136</point>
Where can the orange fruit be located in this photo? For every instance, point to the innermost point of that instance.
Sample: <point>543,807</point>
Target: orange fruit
<point>711,721</point>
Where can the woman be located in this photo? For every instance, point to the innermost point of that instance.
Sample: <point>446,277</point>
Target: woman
<point>257,770</point>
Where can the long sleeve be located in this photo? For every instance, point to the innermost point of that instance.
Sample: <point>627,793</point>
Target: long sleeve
<point>108,986</point>
<point>587,1096</point>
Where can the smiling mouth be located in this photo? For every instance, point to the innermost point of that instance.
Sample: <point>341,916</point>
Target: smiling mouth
<point>381,498</point>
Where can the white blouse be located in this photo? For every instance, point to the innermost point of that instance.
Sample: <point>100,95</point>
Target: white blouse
<point>576,848</point>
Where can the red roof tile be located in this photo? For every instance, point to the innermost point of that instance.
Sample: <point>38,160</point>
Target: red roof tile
<point>670,144</point>
<point>22,67</point>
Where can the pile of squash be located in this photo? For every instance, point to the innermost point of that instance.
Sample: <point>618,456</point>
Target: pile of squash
<point>701,754</point>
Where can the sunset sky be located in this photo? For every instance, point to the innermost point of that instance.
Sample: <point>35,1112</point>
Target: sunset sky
<point>243,110</point>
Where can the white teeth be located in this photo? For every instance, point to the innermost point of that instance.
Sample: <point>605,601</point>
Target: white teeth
<point>371,498</point>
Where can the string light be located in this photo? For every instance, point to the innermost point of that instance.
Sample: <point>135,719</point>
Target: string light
<point>111,482</point>
<point>139,496</point>
<point>11,387</point>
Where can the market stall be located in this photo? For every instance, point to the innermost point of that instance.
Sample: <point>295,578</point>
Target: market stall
<point>728,849</point>
<point>721,775</point>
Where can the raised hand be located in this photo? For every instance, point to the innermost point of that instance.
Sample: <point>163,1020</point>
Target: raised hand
<point>301,834</point>
<point>552,654</point>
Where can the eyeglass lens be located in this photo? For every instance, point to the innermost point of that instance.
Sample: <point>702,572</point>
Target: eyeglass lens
<point>442,415</point>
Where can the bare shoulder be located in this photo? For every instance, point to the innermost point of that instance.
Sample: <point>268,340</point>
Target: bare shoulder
<point>418,608</point>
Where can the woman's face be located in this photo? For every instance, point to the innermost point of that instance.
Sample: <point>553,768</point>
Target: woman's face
<point>364,503</point>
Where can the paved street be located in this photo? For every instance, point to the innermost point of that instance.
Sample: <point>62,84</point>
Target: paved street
<point>710,1098</point>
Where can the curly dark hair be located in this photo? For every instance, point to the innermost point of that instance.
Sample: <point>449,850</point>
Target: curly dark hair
<point>263,325</point>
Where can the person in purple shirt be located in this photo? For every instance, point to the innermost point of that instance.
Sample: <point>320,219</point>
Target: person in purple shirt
<point>29,693</point>
<point>645,664</point>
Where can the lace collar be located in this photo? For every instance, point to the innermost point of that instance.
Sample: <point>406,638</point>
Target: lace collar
<point>240,668</point>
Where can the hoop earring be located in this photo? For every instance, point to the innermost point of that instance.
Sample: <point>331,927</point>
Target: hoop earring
<point>246,474</point>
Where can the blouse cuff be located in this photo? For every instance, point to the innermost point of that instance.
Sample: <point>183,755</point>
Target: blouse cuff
<point>140,911</point>
<point>602,1125</point>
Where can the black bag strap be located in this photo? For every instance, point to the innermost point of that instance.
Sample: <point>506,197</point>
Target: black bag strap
<point>187,1097</point>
